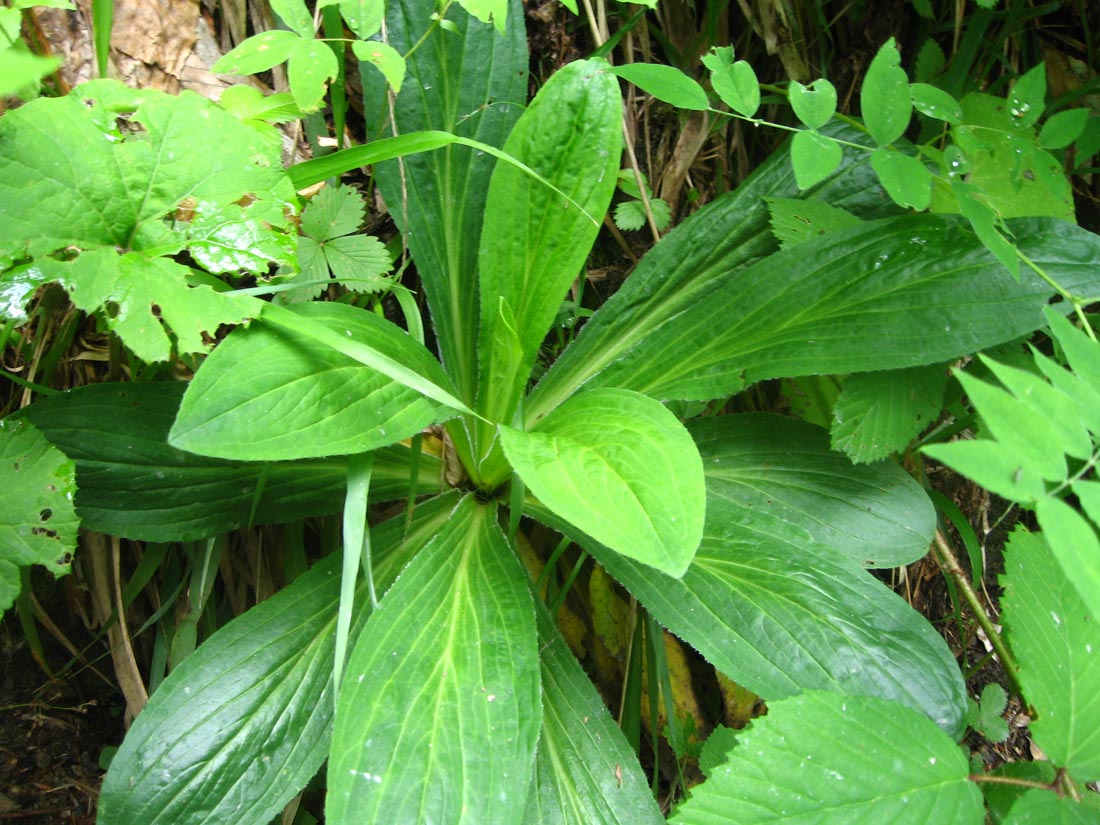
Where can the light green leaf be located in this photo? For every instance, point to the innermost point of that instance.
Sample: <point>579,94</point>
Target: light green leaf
<point>259,53</point>
<point>244,722</point>
<point>296,16</point>
<point>131,483</point>
<point>364,17</point>
<point>439,713</point>
<point>488,11</point>
<point>631,215</point>
<point>389,61</point>
<point>269,394</point>
<point>734,81</point>
<point>359,262</point>
<point>905,178</point>
<point>814,157</point>
<point>311,65</point>
<point>991,709</point>
<point>1073,541</point>
<point>1042,807</point>
<point>879,413</point>
<point>789,615</point>
<point>533,245</point>
<point>783,469</point>
<point>1061,129</point>
<point>470,82</point>
<point>794,220</point>
<point>992,466</point>
<point>249,105</point>
<point>37,521</point>
<point>666,83</point>
<point>225,239</point>
<point>620,467</point>
<point>823,758</point>
<point>19,69</point>
<point>935,102</point>
<point>983,218</point>
<point>1055,640</point>
<point>585,772</point>
<point>884,96</point>
<point>1027,100</point>
<point>332,212</point>
<point>815,104</point>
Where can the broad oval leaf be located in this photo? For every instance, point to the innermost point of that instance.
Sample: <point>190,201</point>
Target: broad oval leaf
<point>1057,645</point>
<point>906,179</point>
<point>623,469</point>
<point>132,483</point>
<point>734,81</point>
<point>439,710</point>
<point>814,157</point>
<point>884,97</point>
<point>585,771</point>
<point>838,760</point>
<point>782,617</point>
<point>783,469</point>
<point>532,243</point>
<point>1046,807</point>
<point>267,393</point>
<point>244,722</point>
<point>666,83</point>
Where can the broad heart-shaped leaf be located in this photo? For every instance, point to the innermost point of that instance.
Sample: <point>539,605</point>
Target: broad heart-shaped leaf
<point>623,469</point>
<point>693,262</point>
<point>37,521</point>
<point>814,157</point>
<point>854,300</point>
<point>267,394</point>
<point>439,710</point>
<point>815,104</point>
<point>879,413</point>
<point>781,617</point>
<point>876,515</point>
<point>244,722</point>
<point>585,771</point>
<point>131,483</point>
<point>734,81</point>
<point>1056,643</point>
<point>471,81</point>
<point>532,243</point>
<point>838,760</point>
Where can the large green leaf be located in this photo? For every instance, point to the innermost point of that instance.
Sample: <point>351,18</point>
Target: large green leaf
<point>439,710</point>
<point>533,244</point>
<point>269,394</point>
<point>244,722</point>
<point>858,299</point>
<point>783,617</point>
<point>1056,642</point>
<point>1046,807</point>
<point>782,469</point>
<point>692,263</point>
<point>824,759</point>
<point>471,81</point>
<point>585,772</point>
<point>623,469</point>
<point>37,521</point>
<point>132,483</point>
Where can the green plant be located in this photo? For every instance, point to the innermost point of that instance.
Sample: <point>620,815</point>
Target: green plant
<point>422,661</point>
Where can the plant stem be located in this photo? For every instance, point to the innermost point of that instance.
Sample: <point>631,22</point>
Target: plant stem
<point>1009,780</point>
<point>949,563</point>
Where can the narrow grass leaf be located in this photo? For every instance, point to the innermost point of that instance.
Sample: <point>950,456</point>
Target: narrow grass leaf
<point>621,468</point>
<point>828,759</point>
<point>439,712</point>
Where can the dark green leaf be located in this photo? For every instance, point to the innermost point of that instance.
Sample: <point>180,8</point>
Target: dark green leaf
<point>795,220</point>
<point>244,722</point>
<point>131,483</point>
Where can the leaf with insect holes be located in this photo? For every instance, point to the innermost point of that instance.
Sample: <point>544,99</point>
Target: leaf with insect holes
<point>328,246</point>
<point>389,61</point>
<point>37,521</point>
<point>223,239</point>
<point>794,220</point>
<point>884,97</point>
<point>734,81</point>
